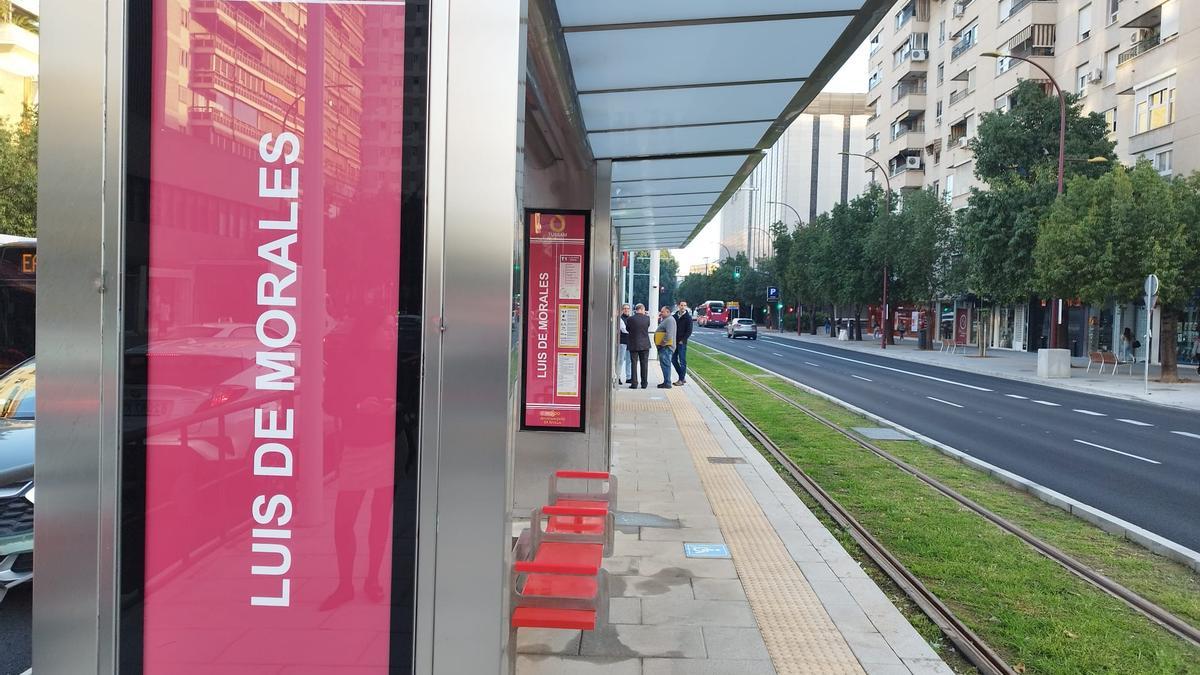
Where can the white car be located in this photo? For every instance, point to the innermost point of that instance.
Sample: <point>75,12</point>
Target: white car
<point>742,328</point>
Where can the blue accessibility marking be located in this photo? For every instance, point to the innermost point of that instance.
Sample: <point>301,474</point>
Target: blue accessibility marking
<point>706,551</point>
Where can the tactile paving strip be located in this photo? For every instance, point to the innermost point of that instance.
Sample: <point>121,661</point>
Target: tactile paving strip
<point>630,405</point>
<point>800,636</point>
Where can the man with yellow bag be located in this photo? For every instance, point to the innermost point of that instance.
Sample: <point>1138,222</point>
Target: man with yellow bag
<point>664,340</point>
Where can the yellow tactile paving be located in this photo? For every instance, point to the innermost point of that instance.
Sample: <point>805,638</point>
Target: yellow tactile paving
<point>800,636</point>
<point>631,406</point>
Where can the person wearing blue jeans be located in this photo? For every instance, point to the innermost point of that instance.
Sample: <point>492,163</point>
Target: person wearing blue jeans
<point>664,340</point>
<point>683,331</point>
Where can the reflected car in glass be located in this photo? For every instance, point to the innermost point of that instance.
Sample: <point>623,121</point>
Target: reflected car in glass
<point>16,476</point>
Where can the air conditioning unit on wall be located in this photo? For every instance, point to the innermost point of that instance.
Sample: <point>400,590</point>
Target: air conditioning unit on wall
<point>920,55</point>
<point>1095,76</point>
<point>912,162</point>
<point>959,9</point>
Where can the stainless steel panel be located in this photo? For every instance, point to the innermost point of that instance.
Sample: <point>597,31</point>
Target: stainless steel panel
<point>78,336</point>
<point>476,81</point>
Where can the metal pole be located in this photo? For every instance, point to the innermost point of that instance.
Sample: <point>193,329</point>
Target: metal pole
<point>632,265</point>
<point>1149,341</point>
<point>887,207</point>
<point>654,262</point>
<point>799,220</point>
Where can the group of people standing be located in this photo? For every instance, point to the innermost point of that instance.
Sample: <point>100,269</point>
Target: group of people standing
<point>670,337</point>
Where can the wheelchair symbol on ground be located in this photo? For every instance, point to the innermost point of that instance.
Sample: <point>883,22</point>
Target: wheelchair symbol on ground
<point>706,551</point>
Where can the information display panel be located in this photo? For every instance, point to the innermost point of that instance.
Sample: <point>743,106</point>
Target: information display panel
<point>555,291</point>
<point>272,373</point>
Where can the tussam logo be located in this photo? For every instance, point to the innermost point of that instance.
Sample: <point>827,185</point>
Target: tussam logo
<point>556,223</point>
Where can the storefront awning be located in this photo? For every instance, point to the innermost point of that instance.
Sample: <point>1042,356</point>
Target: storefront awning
<point>684,96</point>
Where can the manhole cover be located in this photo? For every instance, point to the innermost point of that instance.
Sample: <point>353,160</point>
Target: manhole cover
<point>726,460</point>
<point>881,434</point>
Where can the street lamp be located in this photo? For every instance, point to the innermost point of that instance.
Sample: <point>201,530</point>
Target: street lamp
<point>1062,159</point>
<point>799,220</point>
<point>887,205</point>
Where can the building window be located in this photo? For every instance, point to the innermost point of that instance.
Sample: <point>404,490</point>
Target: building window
<point>873,80</point>
<point>966,40</point>
<point>875,42</point>
<point>1114,7</point>
<point>949,188</point>
<point>1110,120</point>
<point>941,73</point>
<point>1110,65</point>
<point>1081,78</point>
<point>1085,22</point>
<point>1155,105</point>
<point>183,17</point>
<point>906,13</point>
<point>1160,160</point>
<point>1003,64</point>
<point>942,32</point>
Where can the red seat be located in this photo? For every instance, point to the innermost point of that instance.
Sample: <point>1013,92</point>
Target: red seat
<point>560,586</point>
<point>565,558</point>
<point>578,524</point>
<point>545,617</point>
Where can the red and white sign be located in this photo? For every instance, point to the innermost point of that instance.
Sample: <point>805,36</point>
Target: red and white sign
<point>554,369</point>
<point>962,325</point>
<point>271,362</point>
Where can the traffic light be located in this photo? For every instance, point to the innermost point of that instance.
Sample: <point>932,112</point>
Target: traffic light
<point>737,273</point>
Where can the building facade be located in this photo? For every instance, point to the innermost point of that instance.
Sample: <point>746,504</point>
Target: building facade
<point>18,59</point>
<point>929,84</point>
<point>804,170</point>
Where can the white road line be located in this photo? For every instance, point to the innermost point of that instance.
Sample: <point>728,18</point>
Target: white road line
<point>812,364</point>
<point>1053,405</point>
<point>1135,423</point>
<point>1018,396</point>
<point>1151,461</point>
<point>1093,413</point>
<point>941,401</point>
<point>777,354</point>
<point>882,367</point>
<point>860,377</point>
<point>1186,433</point>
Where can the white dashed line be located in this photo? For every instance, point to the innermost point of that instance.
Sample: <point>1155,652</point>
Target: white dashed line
<point>882,367</point>
<point>1135,423</point>
<point>1151,461</point>
<point>812,364</point>
<point>1093,413</point>
<point>860,377</point>
<point>941,401</point>
<point>1018,396</point>
<point>1053,405</point>
<point>1186,433</point>
<point>778,354</point>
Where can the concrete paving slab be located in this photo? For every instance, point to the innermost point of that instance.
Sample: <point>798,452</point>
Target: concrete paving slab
<point>706,667</point>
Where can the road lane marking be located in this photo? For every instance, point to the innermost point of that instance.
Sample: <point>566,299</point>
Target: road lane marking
<point>941,401</point>
<point>777,354</point>
<point>1186,433</point>
<point>882,367</point>
<point>812,364</point>
<point>1135,423</point>
<point>861,378</point>
<point>1052,405</point>
<point>1018,396</point>
<point>1093,413</point>
<point>1151,461</point>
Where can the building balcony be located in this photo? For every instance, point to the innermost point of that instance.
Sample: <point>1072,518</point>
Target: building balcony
<point>13,38</point>
<point>910,139</point>
<point>223,123</point>
<point>209,43</point>
<point>1032,11</point>
<point>290,49</point>
<point>1144,61</point>
<point>904,178</point>
<point>960,95</point>
<point>209,79</point>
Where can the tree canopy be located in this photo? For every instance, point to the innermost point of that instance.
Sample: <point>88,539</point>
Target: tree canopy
<point>18,175</point>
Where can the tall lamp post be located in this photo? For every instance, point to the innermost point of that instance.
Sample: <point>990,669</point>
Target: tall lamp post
<point>799,220</point>
<point>887,206</point>
<point>1062,161</point>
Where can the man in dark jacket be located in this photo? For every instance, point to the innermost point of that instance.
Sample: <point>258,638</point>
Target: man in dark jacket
<point>683,330</point>
<point>623,363</point>
<point>638,326</point>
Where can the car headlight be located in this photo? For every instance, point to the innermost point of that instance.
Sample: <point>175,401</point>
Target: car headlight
<point>29,495</point>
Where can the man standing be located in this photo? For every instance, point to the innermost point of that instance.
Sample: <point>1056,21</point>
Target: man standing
<point>624,365</point>
<point>664,339</point>
<point>638,344</point>
<point>683,331</point>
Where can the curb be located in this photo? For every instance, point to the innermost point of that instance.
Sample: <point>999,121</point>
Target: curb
<point>1057,384</point>
<point>1102,519</point>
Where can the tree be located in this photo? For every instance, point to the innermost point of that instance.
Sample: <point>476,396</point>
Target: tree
<point>1105,235</point>
<point>668,271</point>
<point>18,175</point>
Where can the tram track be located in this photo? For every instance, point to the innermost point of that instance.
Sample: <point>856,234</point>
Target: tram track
<point>970,645</point>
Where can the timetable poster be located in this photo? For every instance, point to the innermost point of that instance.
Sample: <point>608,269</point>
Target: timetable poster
<point>554,352</point>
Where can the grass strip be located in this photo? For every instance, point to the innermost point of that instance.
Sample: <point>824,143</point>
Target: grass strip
<point>1042,618</point>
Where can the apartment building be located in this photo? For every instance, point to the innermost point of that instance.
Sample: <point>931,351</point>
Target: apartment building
<point>929,83</point>
<point>18,58</point>
<point>801,176</point>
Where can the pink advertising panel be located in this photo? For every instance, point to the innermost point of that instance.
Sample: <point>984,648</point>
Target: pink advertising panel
<point>555,350</point>
<point>273,323</point>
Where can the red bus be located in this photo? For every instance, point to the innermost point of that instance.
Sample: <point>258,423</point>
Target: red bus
<point>714,314</point>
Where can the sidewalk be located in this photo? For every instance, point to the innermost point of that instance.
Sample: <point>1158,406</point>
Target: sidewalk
<point>786,598</point>
<point>1023,366</point>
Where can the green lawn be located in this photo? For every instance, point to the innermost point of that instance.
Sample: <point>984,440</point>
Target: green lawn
<point>1028,608</point>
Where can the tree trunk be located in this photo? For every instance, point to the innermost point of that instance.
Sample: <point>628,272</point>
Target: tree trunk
<point>1168,335</point>
<point>857,323</point>
<point>932,321</point>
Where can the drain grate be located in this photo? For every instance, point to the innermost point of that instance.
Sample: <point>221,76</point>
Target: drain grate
<point>726,460</point>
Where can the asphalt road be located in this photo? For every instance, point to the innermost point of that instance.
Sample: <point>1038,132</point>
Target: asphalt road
<point>1137,461</point>
<point>16,616</point>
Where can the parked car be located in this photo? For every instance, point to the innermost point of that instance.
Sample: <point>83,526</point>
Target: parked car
<point>16,476</point>
<point>742,328</point>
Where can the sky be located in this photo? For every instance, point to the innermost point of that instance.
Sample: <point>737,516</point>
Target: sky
<point>852,78</point>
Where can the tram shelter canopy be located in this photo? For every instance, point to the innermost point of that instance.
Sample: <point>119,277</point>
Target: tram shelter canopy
<point>684,96</point>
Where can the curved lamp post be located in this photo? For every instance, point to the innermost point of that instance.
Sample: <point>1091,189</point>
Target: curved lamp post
<point>799,220</point>
<point>887,205</point>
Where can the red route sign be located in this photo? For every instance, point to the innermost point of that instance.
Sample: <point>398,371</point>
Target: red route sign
<point>962,325</point>
<point>555,336</point>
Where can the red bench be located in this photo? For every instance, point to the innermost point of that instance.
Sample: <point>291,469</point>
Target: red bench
<point>557,579</point>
